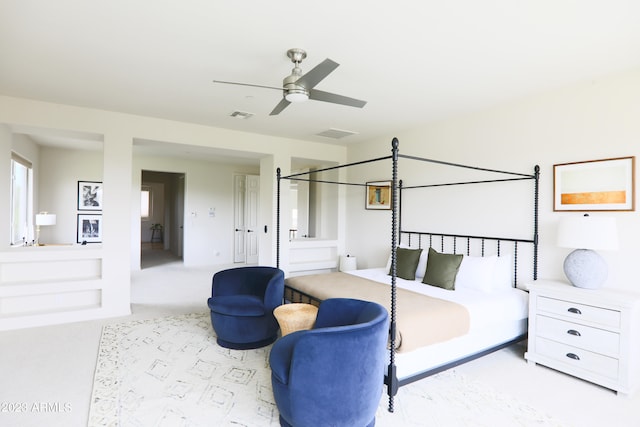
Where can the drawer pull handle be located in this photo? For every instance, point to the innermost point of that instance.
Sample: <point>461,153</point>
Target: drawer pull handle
<point>574,310</point>
<point>573,356</point>
<point>574,332</point>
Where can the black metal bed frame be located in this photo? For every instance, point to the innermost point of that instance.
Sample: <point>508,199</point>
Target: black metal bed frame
<point>390,378</point>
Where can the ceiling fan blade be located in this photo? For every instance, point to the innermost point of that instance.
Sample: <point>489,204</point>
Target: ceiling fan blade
<point>281,106</point>
<point>317,74</point>
<point>319,95</point>
<point>246,84</point>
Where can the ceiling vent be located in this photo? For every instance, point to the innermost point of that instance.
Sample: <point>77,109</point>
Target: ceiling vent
<point>241,115</point>
<point>336,133</point>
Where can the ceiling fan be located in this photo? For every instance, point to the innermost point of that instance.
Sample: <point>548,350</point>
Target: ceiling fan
<point>299,88</point>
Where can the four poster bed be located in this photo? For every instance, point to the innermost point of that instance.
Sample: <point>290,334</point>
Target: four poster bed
<point>451,297</point>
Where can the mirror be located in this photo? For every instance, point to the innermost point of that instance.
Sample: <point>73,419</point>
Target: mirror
<point>299,199</point>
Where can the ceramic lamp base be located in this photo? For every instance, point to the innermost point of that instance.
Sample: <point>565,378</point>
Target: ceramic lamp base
<point>585,269</point>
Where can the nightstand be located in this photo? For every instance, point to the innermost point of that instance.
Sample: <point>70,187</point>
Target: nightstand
<point>593,334</point>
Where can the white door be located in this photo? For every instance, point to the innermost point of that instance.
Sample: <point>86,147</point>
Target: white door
<point>252,198</point>
<point>247,196</point>
<point>239,253</point>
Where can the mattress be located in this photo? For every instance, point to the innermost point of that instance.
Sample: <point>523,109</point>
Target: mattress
<point>485,308</point>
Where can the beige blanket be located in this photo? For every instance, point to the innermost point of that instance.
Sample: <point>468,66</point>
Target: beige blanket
<point>420,320</point>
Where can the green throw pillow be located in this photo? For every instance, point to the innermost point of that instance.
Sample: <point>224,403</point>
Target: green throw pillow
<point>442,269</point>
<point>407,263</point>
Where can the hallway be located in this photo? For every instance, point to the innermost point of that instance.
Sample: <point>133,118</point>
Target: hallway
<point>154,254</point>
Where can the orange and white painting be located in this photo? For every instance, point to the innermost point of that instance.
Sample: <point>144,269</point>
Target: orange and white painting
<point>596,185</point>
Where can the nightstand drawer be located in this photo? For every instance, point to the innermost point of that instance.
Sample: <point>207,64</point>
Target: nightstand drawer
<point>583,312</point>
<point>578,358</point>
<point>584,337</point>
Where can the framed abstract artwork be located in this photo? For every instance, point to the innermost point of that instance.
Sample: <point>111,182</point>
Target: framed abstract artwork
<point>378,195</point>
<point>89,196</point>
<point>595,185</point>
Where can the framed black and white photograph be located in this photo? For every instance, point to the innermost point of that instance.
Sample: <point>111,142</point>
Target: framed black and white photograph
<point>89,196</point>
<point>378,195</point>
<point>89,228</point>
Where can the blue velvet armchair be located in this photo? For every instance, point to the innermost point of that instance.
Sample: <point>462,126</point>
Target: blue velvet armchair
<point>242,302</point>
<point>332,375</point>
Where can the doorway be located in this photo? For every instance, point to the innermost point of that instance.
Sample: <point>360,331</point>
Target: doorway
<point>162,218</point>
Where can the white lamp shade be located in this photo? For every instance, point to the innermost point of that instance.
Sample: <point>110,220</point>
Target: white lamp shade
<point>45,218</point>
<point>588,232</point>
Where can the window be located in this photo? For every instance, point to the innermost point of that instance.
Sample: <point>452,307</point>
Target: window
<point>21,200</point>
<point>145,202</point>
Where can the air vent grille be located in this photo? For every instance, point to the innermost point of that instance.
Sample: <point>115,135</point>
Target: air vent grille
<point>336,133</point>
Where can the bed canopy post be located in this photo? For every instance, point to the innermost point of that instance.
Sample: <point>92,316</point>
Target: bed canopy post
<point>278,218</point>
<point>536,175</point>
<point>400,209</point>
<point>392,378</point>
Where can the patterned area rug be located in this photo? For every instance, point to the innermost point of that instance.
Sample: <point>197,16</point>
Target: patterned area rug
<point>171,372</point>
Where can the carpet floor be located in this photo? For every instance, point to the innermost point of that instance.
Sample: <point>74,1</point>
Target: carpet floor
<point>170,372</point>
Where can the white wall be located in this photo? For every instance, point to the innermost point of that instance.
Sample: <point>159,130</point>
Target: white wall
<point>121,216</point>
<point>208,184</point>
<point>6,140</point>
<point>595,120</point>
<point>26,148</point>
<point>59,173</point>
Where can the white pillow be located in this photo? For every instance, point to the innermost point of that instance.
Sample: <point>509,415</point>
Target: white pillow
<point>422,262</point>
<point>502,275</point>
<point>476,273</point>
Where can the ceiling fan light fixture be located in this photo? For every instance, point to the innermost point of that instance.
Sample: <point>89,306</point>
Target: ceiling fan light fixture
<point>296,95</point>
<point>298,87</point>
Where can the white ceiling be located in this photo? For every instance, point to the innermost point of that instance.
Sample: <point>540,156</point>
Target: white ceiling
<point>413,61</point>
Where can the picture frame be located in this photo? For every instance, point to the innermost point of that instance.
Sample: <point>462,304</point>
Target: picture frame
<point>89,228</point>
<point>378,195</point>
<point>595,185</point>
<point>89,196</point>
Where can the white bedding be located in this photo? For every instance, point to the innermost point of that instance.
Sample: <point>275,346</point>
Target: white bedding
<point>485,308</point>
<point>496,317</point>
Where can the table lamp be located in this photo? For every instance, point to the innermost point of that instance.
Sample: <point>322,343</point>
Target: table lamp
<point>43,218</point>
<point>584,267</point>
